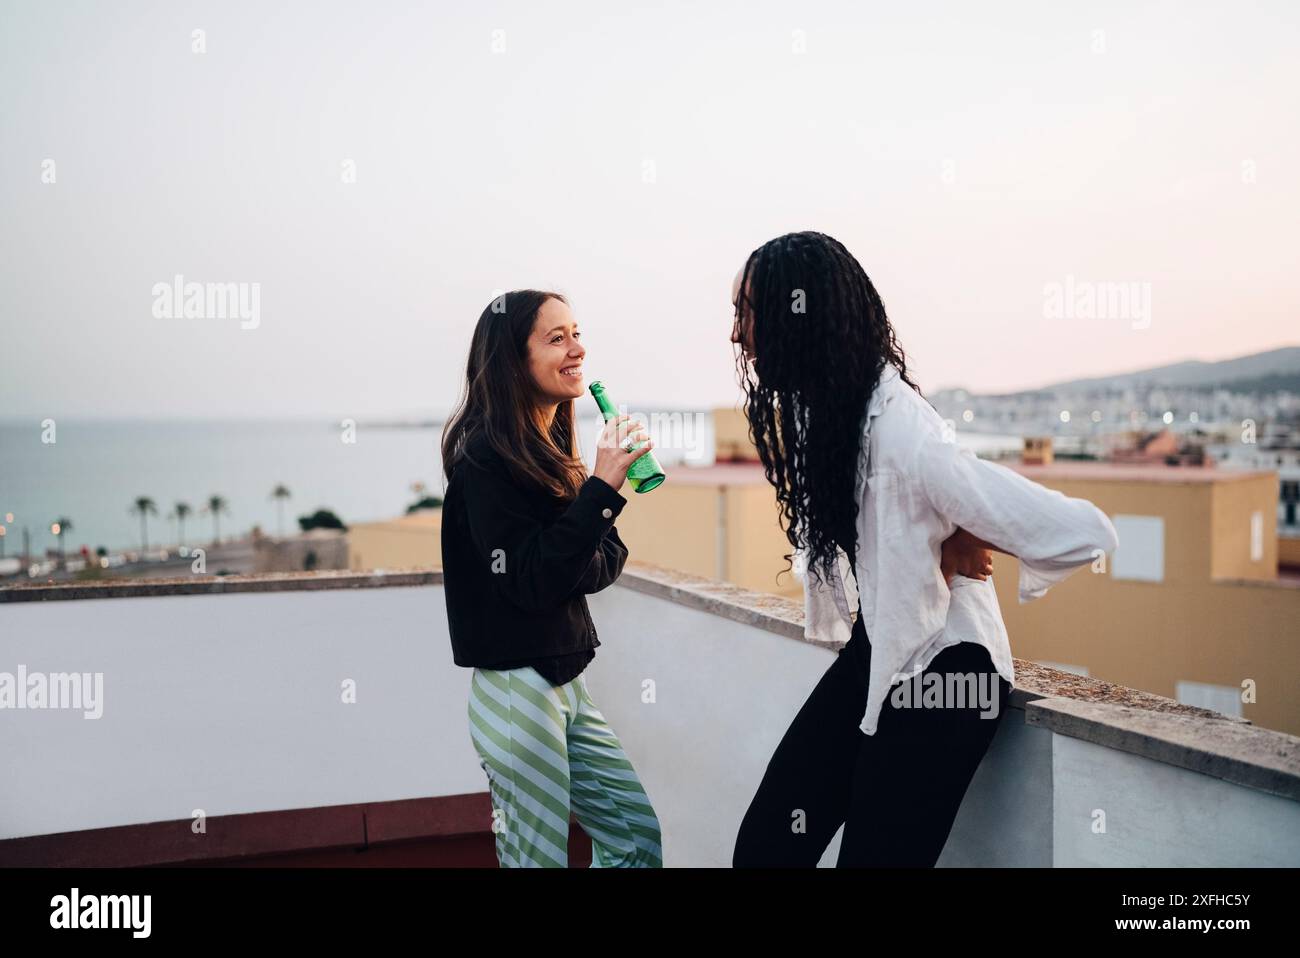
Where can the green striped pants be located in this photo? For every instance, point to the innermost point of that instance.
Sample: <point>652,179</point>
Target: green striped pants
<point>547,749</point>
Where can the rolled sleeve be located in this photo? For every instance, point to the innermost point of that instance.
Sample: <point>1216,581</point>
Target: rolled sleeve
<point>824,618</point>
<point>1052,534</point>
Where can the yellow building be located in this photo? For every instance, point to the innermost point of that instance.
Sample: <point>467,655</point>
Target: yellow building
<point>1190,606</point>
<point>715,521</point>
<point>409,541</point>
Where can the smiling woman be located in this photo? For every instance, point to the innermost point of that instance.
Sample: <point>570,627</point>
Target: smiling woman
<point>555,352</point>
<point>526,536</point>
<point>519,387</point>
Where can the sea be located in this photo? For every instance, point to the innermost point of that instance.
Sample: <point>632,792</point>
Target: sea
<point>94,470</point>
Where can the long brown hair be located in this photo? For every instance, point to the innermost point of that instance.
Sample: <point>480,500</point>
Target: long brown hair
<point>500,403</point>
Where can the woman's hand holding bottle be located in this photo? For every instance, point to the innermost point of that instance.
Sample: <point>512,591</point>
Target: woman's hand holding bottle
<point>613,457</point>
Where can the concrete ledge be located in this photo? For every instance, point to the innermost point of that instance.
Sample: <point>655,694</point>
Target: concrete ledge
<point>1116,716</point>
<point>785,617</point>
<point>771,613</point>
<point>1234,751</point>
<point>214,584</point>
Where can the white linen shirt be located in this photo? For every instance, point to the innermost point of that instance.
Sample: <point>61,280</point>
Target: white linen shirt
<point>920,486</point>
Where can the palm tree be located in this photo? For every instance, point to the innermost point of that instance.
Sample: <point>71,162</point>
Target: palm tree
<point>181,511</point>
<point>216,506</point>
<point>280,493</point>
<point>58,527</point>
<point>145,507</point>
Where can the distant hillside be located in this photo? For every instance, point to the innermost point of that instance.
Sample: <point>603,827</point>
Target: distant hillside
<point>1259,372</point>
<point>1288,382</point>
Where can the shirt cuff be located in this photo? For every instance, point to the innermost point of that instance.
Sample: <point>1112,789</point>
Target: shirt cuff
<point>823,619</point>
<point>1036,579</point>
<point>604,496</point>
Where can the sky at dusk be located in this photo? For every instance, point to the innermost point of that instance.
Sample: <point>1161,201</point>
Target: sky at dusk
<point>381,170</point>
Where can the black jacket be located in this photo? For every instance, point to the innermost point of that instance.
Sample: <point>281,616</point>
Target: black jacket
<point>518,565</point>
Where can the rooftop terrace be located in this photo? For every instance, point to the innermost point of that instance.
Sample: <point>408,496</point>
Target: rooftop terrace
<point>225,695</point>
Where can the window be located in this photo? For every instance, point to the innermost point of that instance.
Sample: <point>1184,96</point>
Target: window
<point>1065,667</point>
<point>1141,553</point>
<point>1217,698</point>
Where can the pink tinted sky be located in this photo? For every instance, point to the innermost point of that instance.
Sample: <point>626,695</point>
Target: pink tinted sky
<point>968,156</point>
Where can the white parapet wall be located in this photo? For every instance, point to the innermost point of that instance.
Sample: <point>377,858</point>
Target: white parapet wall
<point>234,703</point>
<point>700,703</point>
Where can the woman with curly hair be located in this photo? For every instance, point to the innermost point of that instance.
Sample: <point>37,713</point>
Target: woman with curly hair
<point>869,480</point>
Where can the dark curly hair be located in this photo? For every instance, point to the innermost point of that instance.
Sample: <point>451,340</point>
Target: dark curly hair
<point>820,339</point>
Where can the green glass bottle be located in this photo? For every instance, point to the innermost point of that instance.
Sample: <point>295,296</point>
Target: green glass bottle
<point>645,473</point>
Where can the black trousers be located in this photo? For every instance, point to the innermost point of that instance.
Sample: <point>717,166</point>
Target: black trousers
<point>896,792</point>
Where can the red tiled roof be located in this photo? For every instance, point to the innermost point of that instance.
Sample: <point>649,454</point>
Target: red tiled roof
<point>751,473</point>
<point>1124,472</point>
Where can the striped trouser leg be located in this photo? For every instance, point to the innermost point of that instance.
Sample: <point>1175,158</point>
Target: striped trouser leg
<point>517,722</point>
<point>544,747</point>
<point>608,799</point>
